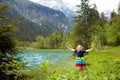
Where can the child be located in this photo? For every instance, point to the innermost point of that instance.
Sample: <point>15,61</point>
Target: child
<point>80,62</point>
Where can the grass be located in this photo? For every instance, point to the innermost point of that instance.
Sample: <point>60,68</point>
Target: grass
<point>104,65</point>
<point>34,49</point>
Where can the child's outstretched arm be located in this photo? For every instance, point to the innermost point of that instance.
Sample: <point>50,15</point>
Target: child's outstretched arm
<point>88,50</point>
<point>71,49</point>
<point>93,47</point>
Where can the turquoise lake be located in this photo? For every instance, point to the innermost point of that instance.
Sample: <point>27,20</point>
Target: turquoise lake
<point>37,57</point>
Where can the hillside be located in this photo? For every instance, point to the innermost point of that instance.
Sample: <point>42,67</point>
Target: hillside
<point>35,19</point>
<point>59,5</point>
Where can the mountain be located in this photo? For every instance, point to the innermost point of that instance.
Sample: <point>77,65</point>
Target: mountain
<point>36,19</point>
<point>107,14</point>
<point>58,5</point>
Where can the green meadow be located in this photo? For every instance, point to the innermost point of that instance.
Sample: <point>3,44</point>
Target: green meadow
<point>103,65</point>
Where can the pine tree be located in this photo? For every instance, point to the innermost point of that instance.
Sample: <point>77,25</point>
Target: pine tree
<point>9,65</point>
<point>113,14</point>
<point>82,28</point>
<point>113,32</point>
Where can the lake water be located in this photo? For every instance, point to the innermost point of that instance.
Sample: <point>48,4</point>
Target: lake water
<point>36,57</point>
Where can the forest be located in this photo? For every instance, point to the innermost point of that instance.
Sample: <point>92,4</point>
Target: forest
<point>89,28</point>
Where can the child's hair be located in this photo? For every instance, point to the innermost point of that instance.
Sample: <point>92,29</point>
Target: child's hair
<point>79,47</point>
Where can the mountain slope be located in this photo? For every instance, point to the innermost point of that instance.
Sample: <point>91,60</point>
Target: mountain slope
<point>36,19</point>
<point>58,5</point>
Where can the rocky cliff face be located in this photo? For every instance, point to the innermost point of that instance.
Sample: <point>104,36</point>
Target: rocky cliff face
<point>58,5</point>
<point>42,15</point>
<point>45,20</point>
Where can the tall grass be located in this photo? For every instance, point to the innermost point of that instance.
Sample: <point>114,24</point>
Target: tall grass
<point>104,65</point>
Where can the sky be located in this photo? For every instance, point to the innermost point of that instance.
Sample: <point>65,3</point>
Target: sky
<point>102,5</point>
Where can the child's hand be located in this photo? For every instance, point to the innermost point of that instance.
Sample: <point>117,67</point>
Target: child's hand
<point>93,46</point>
<point>68,48</point>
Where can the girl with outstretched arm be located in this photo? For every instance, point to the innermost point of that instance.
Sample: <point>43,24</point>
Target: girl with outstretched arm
<point>79,52</point>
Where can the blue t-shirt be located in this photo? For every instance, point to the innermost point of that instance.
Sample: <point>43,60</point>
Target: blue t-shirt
<point>80,53</point>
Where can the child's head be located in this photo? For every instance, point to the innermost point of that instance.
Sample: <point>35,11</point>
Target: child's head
<point>79,47</point>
